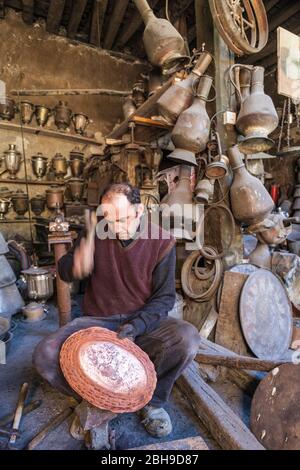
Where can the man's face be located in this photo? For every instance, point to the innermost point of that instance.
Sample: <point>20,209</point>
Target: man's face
<point>123,218</point>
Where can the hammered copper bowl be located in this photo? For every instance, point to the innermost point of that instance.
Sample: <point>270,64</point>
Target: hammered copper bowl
<point>109,373</point>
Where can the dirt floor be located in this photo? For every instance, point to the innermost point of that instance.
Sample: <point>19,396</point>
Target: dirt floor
<point>129,431</point>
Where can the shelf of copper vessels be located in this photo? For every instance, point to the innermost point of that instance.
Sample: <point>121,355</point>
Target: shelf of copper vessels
<point>11,126</point>
<point>146,110</point>
<point>37,182</point>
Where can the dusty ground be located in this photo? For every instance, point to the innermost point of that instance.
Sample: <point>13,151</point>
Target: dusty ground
<point>19,369</point>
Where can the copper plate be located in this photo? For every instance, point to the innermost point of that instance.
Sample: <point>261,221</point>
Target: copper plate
<point>275,411</point>
<point>266,315</point>
<point>109,373</point>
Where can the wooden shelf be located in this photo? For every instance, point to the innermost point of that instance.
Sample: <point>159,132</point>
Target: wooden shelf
<point>11,126</point>
<point>34,182</point>
<point>147,128</point>
<point>14,221</point>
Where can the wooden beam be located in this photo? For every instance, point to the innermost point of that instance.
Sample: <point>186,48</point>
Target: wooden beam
<point>131,28</point>
<point>114,23</point>
<point>189,443</point>
<point>54,16</point>
<point>270,4</point>
<point>28,11</point>
<point>246,380</point>
<point>99,10</point>
<point>204,25</point>
<point>279,18</point>
<point>70,91</point>
<point>75,18</point>
<point>176,9</point>
<point>238,362</point>
<point>224,425</point>
<point>2,9</point>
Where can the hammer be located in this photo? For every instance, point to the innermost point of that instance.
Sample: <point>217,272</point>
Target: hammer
<point>18,413</point>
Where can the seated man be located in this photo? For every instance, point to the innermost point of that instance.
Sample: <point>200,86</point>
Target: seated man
<point>130,289</point>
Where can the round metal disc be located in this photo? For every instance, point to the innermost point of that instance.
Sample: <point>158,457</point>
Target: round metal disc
<point>244,268</point>
<point>266,315</point>
<point>275,411</point>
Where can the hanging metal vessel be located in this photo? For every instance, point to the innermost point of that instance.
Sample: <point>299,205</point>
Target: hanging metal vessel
<point>80,121</point>
<point>62,115</point>
<point>26,109</point>
<point>42,114</point>
<point>192,128</point>
<point>12,159</point>
<point>250,201</point>
<point>257,117</point>
<point>165,47</point>
<point>39,164</point>
<point>60,166</point>
<point>7,109</point>
<point>179,96</point>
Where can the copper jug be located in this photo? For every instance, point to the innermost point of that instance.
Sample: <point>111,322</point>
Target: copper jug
<point>257,117</point>
<point>180,95</point>
<point>250,201</point>
<point>164,46</point>
<point>191,131</point>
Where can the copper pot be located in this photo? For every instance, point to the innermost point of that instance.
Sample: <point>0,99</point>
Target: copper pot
<point>26,109</point>
<point>76,187</point>
<point>62,115</point>
<point>76,162</point>
<point>191,131</point>
<point>37,204</point>
<point>7,109</point>
<point>12,159</point>
<point>39,164</point>
<point>179,96</point>
<point>257,117</point>
<point>164,46</point>
<point>60,165</point>
<point>20,203</point>
<point>42,114</point>
<point>54,197</point>
<point>250,201</point>
<point>80,121</point>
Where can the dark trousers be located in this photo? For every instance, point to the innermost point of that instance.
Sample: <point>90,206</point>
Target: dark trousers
<point>171,347</point>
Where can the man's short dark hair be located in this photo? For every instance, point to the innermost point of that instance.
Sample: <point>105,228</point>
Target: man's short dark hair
<point>133,194</point>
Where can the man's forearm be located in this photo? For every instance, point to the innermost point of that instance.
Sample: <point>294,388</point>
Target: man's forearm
<point>66,262</point>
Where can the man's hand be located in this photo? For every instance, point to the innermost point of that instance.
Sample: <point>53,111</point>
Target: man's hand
<point>83,260</point>
<point>126,331</point>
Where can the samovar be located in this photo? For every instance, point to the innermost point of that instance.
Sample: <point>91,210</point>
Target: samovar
<point>39,164</point>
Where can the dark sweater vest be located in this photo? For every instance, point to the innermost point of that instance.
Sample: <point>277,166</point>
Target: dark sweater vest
<point>121,282</point>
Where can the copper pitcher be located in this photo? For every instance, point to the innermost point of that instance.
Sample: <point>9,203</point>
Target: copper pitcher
<point>180,95</point>
<point>59,165</point>
<point>42,114</point>
<point>20,203</point>
<point>250,201</point>
<point>257,117</point>
<point>39,163</point>
<point>12,159</point>
<point>192,128</point>
<point>62,115</point>
<point>26,109</point>
<point>76,162</point>
<point>164,46</point>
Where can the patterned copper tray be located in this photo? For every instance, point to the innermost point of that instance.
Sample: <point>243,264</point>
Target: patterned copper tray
<point>109,373</point>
